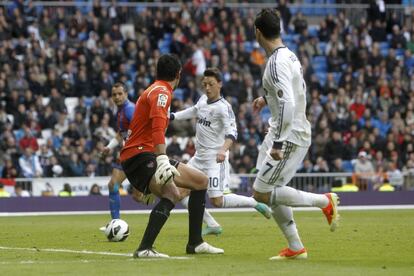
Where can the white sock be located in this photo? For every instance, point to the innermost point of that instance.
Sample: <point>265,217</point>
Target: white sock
<point>233,200</point>
<point>283,216</point>
<point>207,218</point>
<point>291,197</point>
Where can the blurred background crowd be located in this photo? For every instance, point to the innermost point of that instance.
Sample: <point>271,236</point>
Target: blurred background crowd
<point>57,65</point>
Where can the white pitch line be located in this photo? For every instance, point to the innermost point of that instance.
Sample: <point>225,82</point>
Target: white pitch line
<point>212,210</point>
<point>85,252</point>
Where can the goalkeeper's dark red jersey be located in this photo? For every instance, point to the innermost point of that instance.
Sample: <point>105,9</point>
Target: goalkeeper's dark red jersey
<point>150,120</point>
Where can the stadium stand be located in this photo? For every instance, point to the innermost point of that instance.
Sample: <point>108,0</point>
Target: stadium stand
<point>58,63</point>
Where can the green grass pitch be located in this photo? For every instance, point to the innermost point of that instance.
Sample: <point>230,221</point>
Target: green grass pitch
<point>366,243</point>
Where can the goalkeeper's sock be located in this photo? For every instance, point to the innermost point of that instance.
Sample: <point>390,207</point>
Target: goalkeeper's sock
<point>207,217</point>
<point>114,202</point>
<point>291,197</point>
<point>196,205</point>
<point>233,200</point>
<point>283,215</point>
<point>157,219</point>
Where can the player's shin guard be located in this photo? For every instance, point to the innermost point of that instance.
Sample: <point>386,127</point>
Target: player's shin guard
<point>196,205</point>
<point>114,202</point>
<point>157,219</point>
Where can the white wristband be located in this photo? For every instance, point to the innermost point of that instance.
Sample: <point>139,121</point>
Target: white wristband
<point>113,143</point>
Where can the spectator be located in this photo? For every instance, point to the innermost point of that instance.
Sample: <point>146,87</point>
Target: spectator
<point>335,148</point>
<point>364,170</point>
<point>95,190</point>
<point>285,15</point>
<point>174,149</point>
<point>29,164</point>
<point>300,23</point>
<point>76,168</point>
<point>3,192</point>
<point>19,191</point>
<point>66,191</point>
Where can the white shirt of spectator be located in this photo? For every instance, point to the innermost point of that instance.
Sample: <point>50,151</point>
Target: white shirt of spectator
<point>199,62</point>
<point>30,166</point>
<point>286,98</point>
<point>215,121</point>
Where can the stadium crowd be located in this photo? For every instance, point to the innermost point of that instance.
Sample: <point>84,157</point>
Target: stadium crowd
<point>57,66</point>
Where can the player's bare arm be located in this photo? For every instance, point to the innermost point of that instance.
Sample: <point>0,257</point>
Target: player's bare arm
<point>117,140</point>
<point>258,104</point>
<point>221,154</point>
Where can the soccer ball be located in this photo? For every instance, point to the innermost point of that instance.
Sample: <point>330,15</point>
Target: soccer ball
<point>117,230</point>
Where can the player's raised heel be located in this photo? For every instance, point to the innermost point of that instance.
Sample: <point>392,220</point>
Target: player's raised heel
<point>264,210</point>
<point>149,253</point>
<point>203,248</point>
<point>331,211</point>
<point>288,254</point>
<point>212,230</point>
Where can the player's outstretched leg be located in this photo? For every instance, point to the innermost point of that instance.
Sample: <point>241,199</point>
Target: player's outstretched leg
<point>234,200</point>
<point>328,203</point>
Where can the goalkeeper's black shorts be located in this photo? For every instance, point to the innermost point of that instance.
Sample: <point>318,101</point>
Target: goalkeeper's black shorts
<point>140,168</point>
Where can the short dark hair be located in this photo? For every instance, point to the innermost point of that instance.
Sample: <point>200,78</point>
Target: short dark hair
<point>268,22</point>
<point>168,67</point>
<point>120,84</point>
<point>213,72</point>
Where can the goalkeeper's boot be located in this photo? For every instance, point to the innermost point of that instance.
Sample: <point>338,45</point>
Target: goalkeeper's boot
<point>264,210</point>
<point>331,211</point>
<point>217,230</point>
<point>289,254</point>
<point>148,253</point>
<point>203,248</point>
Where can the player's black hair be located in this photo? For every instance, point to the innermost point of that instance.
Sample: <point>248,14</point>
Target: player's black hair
<point>168,67</point>
<point>120,84</point>
<point>268,23</point>
<point>213,72</point>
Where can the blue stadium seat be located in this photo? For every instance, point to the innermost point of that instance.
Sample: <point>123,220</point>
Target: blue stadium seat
<point>384,47</point>
<point>265,114</point>
<point>179,94</point>
<point>319,64</point>
<point>248,46</point>
<point>331,10</point>
<point>322,46</point>
<point>319,10</point>
<point>347,166</point>
<point>307,11</point>
<point>337,77</point>
<point>313,30</point>
<point>321,77</point>
<point>88,101</point>
<point>408,2</point>
<point>292,46</point>
<point>399,53</point>
<point>288,38</point>
<point>164,44</point>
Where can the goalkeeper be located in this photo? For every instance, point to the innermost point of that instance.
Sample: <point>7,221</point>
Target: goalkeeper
<point>149,170</point>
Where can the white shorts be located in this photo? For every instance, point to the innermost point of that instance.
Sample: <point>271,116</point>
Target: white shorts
<point>279,173</point>
<point>264,147</point>
<point>218,175</point>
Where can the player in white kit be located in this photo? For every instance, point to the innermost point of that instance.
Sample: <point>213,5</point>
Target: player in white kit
<point>288,140</point>
<point>216,131</point>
